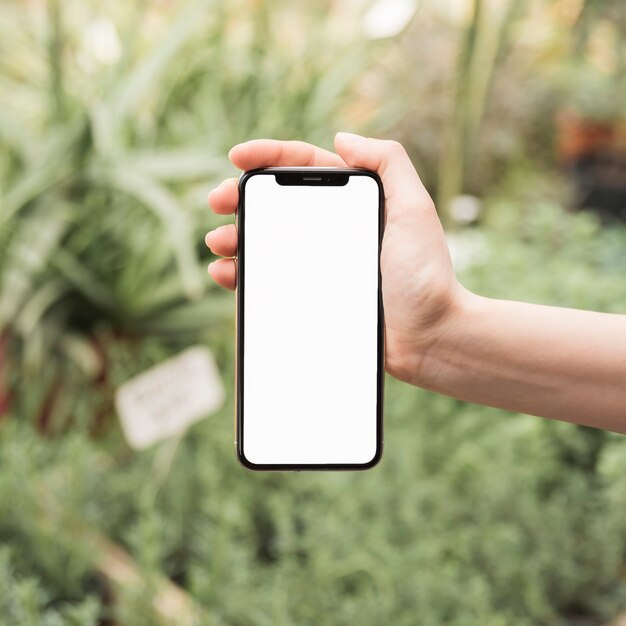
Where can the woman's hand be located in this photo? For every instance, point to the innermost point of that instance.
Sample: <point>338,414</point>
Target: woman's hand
<point>548,361</point>
<point>420,290</point>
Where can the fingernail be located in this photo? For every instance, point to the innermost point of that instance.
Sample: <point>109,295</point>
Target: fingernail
<point>349,137</point>
<point>210,265</point>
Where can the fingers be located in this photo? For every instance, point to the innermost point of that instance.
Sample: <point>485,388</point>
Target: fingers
<point>403,188</point>
<point>223,240</point>
<point>223,199</point>
<point>265,153</point>
<point>224,272</point>
<point>404,191</point>
<point>272,152</point>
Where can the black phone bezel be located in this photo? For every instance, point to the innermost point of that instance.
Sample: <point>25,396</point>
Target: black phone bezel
<point>295,176</point>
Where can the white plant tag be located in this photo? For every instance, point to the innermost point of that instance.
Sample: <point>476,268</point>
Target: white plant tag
<point>166,399</point>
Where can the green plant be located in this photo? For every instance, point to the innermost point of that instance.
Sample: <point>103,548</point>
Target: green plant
<point>103,191</point>
<point>474,103</point>
<point>22,601</point>
<point>482,43</point>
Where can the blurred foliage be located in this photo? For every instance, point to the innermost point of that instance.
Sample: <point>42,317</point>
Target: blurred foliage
<point>112,128</point>
<point>23,601</point>
<point>593,80</point>
<point>491,76</point>
<point>474,516</point>
<point>105,163</point>
<point>557,258</point>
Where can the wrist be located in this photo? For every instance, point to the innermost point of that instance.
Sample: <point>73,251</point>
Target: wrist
<point>436,353</point>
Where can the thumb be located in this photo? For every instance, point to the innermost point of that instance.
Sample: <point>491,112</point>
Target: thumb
<point>403,187</point>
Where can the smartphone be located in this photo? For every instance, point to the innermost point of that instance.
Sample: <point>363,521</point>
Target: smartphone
<point>310,329</point>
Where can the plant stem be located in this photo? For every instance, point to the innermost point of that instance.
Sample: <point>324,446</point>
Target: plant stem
<point>55,54</point>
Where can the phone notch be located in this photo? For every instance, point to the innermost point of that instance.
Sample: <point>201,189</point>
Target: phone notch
<point>321,179</point>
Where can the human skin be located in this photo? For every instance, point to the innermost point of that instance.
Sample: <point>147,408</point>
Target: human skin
<point>553,362</point>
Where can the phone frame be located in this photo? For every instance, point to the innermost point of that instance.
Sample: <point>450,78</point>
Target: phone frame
<point>297,174</point>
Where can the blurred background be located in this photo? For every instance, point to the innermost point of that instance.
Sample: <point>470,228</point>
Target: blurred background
<point>115,122</point>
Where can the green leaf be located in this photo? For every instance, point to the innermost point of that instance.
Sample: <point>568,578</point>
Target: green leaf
<point>37,305</point>
<point>81,277</point>
<point>14,137</point>
<point>54,164</point>
<point>192,316</point>
<point>136,83</point>
<point>166,208</point>
<point>178,165</point>
<point>36,240</point>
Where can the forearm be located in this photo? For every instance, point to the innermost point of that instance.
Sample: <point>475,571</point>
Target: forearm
<point>553,362</point>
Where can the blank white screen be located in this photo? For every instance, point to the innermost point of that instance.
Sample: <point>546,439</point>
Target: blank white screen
<point>310,322</point>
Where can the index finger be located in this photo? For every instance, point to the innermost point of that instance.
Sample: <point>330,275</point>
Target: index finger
<point>273,152</point>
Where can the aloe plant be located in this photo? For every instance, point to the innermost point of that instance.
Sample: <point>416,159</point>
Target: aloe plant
<point>100,219</point>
